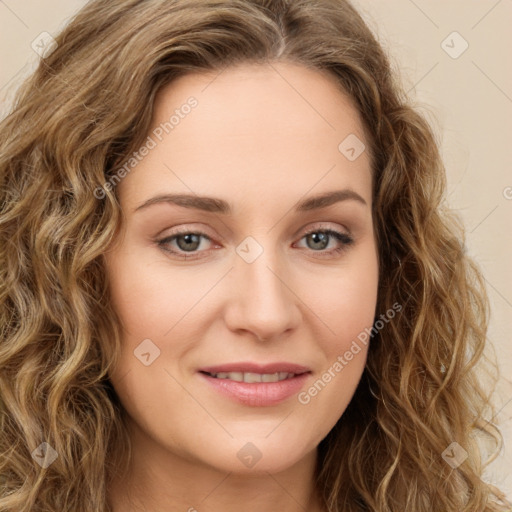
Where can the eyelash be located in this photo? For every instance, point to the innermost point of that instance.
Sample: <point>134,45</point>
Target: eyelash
<point>346,241</point>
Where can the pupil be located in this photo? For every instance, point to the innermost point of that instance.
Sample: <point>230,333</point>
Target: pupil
<point>319,236</point>
<point>188,242</point>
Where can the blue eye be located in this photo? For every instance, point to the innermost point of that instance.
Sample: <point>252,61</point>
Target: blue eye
<point>321,237</point>
<point>185,244</point>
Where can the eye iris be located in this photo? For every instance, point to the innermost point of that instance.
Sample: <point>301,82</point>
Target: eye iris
<point>190,239</point>
<point>321,238</point>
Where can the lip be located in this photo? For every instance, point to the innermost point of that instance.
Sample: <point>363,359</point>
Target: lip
<point>257,394</point>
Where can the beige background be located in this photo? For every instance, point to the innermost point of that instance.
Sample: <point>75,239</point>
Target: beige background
<point>467,98</point>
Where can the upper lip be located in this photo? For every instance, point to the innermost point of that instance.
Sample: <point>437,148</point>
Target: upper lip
<point>248,367</point>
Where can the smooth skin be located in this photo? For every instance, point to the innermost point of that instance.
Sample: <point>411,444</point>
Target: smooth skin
<point>262,137</point>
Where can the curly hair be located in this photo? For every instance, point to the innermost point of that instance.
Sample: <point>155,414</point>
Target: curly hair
<point>85,108</point>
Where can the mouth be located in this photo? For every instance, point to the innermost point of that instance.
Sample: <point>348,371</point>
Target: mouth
<point>254,372</point>
<point>251,377</point>
<point>251,384</point>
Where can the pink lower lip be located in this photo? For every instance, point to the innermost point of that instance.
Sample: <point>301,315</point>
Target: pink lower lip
<point>257,394</point>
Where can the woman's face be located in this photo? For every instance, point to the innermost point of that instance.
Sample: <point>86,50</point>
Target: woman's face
<point>265,282</point>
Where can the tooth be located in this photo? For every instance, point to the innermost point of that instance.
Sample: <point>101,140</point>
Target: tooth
<point>252,377</point>
<point>270,377</point>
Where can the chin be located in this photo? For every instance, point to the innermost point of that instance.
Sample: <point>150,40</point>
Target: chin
<point>253,455</point>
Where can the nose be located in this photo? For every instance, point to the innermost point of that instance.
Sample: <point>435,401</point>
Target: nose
<point>261,298</point>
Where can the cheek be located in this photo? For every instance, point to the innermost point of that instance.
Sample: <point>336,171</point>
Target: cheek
<point>148,297</point>
<point>346,304</point>
<point>349,312</point>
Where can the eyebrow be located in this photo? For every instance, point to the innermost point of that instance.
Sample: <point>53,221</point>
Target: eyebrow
<point>216,205</point>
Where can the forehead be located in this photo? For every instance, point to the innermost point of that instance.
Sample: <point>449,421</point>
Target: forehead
<point>262,98</point>
<point>278,124</point>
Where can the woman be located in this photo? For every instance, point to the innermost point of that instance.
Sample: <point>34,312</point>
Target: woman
<point>309,352</point>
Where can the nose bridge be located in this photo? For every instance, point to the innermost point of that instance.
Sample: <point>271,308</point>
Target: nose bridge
<point>263,301</point>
